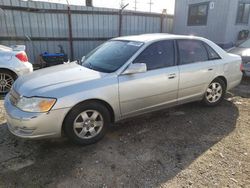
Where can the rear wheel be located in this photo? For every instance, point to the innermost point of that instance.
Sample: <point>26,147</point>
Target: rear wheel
<point>214,93</point>
<point>87,123</point>
<point>7,78</point>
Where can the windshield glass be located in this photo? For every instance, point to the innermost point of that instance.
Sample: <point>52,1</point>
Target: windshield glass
<point>111,55</point>
<point>245,44</point>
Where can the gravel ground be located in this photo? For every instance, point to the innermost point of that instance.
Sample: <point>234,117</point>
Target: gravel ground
<point>185,146</point>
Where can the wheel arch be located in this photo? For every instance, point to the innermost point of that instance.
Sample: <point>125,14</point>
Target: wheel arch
<point>223,78</point>
<point>11,71</point>
<point>104,103</point>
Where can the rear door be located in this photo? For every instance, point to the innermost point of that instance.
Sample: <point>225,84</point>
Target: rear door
<point>154,88</point>
<point>196,64</point>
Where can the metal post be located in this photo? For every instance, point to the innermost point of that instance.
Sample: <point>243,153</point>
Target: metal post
<point>162,19</point>
<point>120,23</point>
<point>163,16</point>
<point>120,20</point>
<point>70,35</point>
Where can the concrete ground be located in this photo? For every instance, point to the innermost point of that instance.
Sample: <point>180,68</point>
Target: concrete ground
<point>185,146</point>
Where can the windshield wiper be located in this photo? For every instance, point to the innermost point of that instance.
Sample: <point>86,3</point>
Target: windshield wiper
<point>90,65</point>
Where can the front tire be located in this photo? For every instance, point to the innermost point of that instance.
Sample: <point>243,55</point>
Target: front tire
<point>87,123</point>
<point>215,93</point>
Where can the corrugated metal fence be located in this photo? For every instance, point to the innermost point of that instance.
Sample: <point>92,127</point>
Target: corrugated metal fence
<point>48,25</point>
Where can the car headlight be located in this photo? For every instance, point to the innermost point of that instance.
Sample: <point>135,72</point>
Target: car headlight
<point>35,104</point>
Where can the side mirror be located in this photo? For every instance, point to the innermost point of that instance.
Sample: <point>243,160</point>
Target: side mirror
<point>136,68</point>
<point>82,60</point>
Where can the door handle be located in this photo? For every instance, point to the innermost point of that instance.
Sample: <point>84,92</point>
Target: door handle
<point>210,69</point>
<point>171,76</point>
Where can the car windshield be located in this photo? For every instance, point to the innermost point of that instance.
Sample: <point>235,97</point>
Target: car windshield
<point>111,55</point>
<point>245,44</point>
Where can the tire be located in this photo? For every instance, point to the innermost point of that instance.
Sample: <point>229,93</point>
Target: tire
<point>7,78</point>
<point>215,92</point>
<point>87,123</point>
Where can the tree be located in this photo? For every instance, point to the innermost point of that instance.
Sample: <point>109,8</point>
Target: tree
<point>89,3</point>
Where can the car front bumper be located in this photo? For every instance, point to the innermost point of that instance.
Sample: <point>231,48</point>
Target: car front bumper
<point>34,125</point>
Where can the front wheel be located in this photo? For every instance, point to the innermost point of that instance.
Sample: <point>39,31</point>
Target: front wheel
<point>214,93</point>
<point>87,123</point>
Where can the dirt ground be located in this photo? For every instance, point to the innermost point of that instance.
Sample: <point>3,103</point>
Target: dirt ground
<point>185,146</point>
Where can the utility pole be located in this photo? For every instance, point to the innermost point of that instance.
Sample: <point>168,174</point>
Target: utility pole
<point>89,3</point>
<point>150,5</point>
<point>70,32</point>
<point>135,5</point>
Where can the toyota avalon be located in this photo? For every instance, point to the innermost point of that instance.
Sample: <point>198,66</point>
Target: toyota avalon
<point>121,78</point>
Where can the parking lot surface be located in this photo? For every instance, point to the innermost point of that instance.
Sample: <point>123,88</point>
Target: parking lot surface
<point>186,146</point>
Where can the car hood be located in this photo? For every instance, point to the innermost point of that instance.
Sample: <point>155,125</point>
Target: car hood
<point>54,77</point>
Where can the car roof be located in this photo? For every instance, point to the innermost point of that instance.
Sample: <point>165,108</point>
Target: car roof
<point>155,36</point>
<point>148,38</point>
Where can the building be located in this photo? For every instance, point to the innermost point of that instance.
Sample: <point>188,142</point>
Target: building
<point>218,20</point>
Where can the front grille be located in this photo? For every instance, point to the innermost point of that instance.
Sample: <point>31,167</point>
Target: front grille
<point>14,97</point>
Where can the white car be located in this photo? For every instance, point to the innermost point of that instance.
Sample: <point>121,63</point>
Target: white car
<point>13,63</point>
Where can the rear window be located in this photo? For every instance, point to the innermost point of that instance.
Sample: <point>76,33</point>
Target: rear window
<point>191,51</point>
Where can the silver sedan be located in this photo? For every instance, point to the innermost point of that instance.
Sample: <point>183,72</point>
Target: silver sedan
<point>243,50</point>
<point>123,77</point>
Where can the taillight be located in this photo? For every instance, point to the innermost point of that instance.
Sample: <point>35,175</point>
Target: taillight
<point>22,56</point>
<point>241,67</point>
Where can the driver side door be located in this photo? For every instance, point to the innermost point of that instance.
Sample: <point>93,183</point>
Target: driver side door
<point>155,88</point>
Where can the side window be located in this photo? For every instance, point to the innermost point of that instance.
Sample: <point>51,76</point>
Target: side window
<point>211,53</point>
<point>157,55</point>
<point>191,51</point>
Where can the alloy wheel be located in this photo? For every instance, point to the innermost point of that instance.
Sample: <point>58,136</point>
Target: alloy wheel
<point>88,124</point>
<point>6,82</point>
<point>214,92</point>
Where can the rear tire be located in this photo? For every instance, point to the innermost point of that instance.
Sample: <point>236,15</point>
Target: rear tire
<point>7,79</point>
<point>87,123</point>
<point>215,92</point>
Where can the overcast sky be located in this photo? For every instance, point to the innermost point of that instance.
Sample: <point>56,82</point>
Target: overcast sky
<point>141,5</point>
